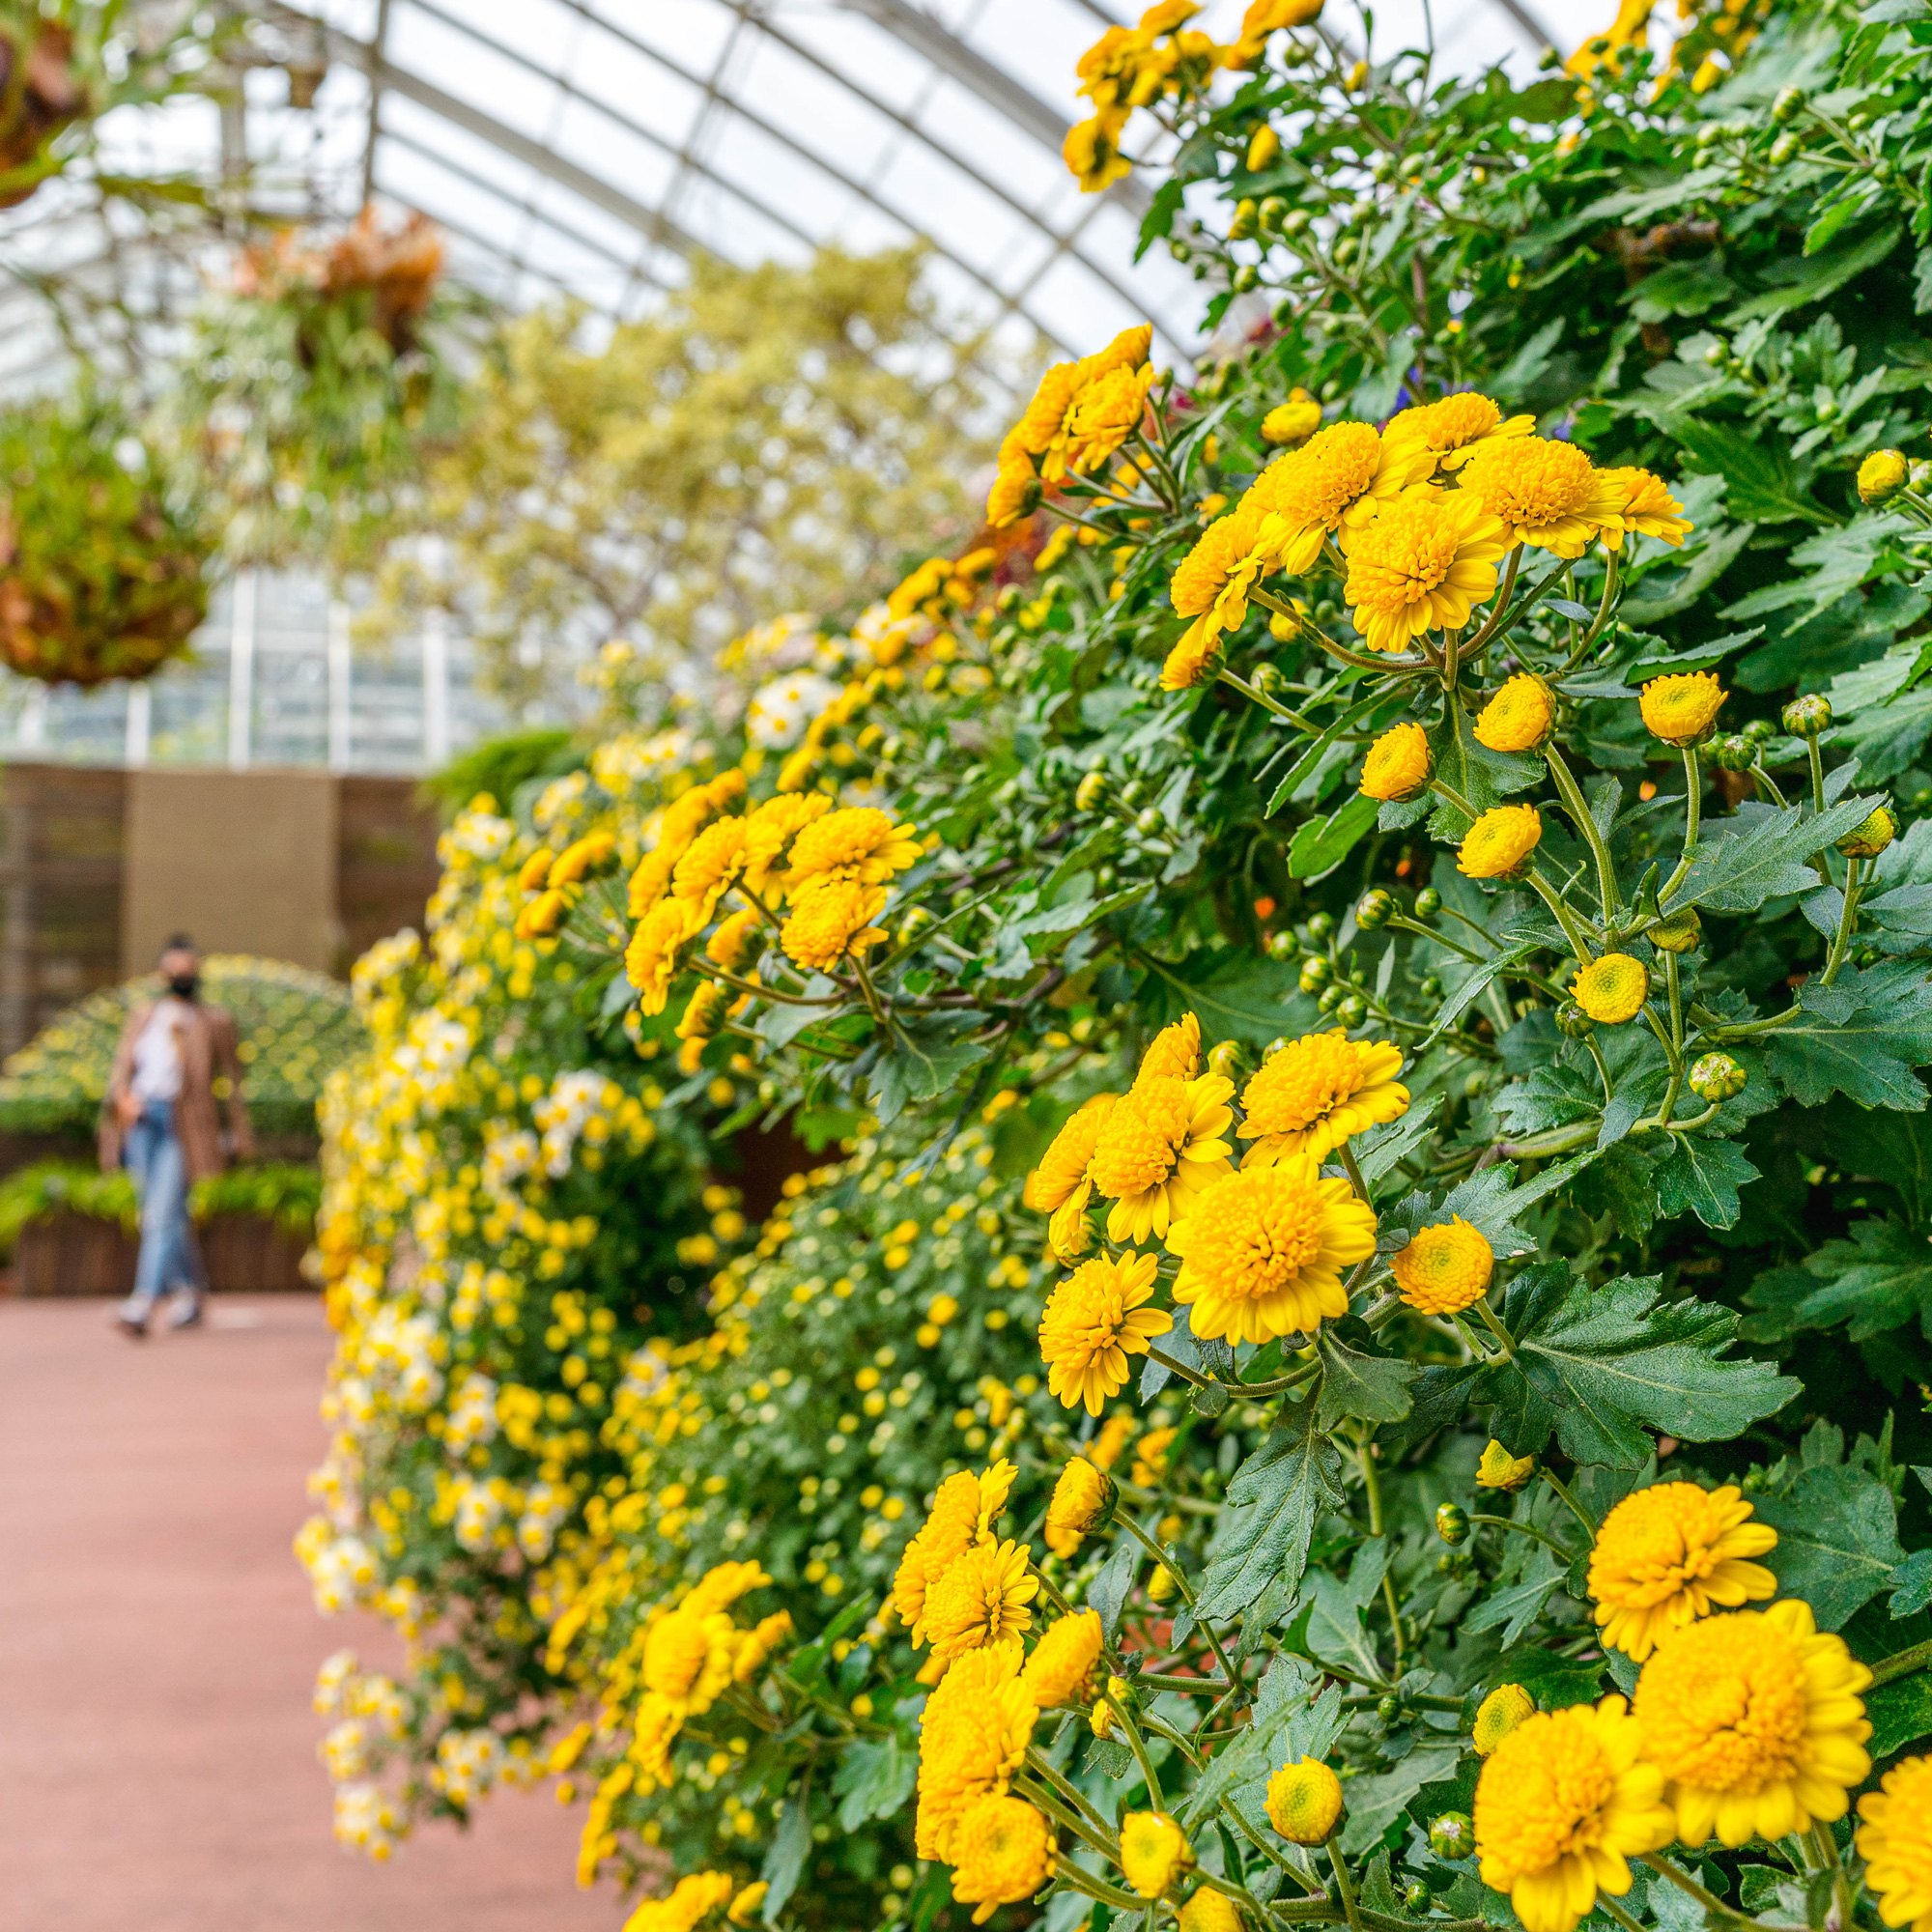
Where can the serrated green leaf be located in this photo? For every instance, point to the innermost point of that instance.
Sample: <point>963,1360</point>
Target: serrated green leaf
<point>1375,1389</point>
<point>1837,1541</point>
<point>1764,857</point>
<point>1702,1176</point>
<point>1320,844</point>
<point>1603,1366</point>
<point>1881,1278</point>
<point>1271,1509</point>
<point>1900,1714</point>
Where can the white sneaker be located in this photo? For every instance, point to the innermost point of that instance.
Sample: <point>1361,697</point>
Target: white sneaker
<point>131,1319</point>
<point>185,1312</point>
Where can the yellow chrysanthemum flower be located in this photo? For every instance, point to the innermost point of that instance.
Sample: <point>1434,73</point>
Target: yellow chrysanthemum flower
<point>1755,1720</point>
<point>1337,478</point>
<point>1497,1470</point>
<point>1092,1321</point>
<point>831,918</point>
<point>1399,764</point>
<point>756,1645</point>
<point>710,865</point>
<point>1316,1092</point>
<point>745,1903</point>
<point>1896,1843</point>
<point>1304,1802</point>
<point>1092,152</point>
<point>653,1732</point>
<point>1680,709</point>
<point>1174,1053</point>
<point>651,959</point>
<point>1293,422</point>
<point>1649,509</point>
<point>1061,1669</point>
<point>542,916</point>
<point>1519,716</point>
<point>1451,429</point>
<point>964,1510</point>
<point>1003,1854</point>
<point>971,1739</point>
<point>1061,1184</point>
<point>536,871</point>
<point>1420,563</point>
<point>1109,410</point>
<point>860,842</point>
<point>772,827</point>
<point>1211,584</point>
<point>1262,1251</point>
<point>1499,841</point>
<point>1445,1268</point>
<point>1154,1852</point>
<point>1544,493</point>
<point>1612,989</point>
<point>1563,1803</point>
<point>1082,1502</point>
<point>981,1600</point>
<point>1015,493</point>
<point>1506,1707</point>
<point>1160,1146</point>
<point>1210,1911</point>
<point>693,1899</point>
<point>584,856</point>
<point>734,941</point>
<point>1669,1554</point>
<point>687,1659</point>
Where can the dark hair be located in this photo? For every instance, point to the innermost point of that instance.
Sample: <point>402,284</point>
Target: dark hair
<point>178,942</point>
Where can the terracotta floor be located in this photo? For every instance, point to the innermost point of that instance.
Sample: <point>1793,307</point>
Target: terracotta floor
<point>157,1645</point>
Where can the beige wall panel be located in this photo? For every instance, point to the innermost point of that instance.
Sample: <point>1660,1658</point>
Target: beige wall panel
<point>245,861</point>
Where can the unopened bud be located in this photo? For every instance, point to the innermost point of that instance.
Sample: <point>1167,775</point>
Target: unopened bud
<point>1452,1523</point>
<point>1375,909</point>
<point>1428,902</point>
<point>1679,934</point>
<point>1453,1835</point>
<point>1868,840</point>
<point>1807,717</point>
<point>1785,104</point>
<point>1881,475</point>
<point>1572,1021</point>
<point>1091,790</point>
<point>1716,1077</point>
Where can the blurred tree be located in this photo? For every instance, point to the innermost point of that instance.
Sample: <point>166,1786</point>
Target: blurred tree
<point>771,438</point>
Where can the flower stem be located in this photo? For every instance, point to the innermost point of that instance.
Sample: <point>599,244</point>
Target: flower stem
<point>1694,800</point>
<point>1579,812</point>
<point>1180,1369</point>
<point>1576,1509</point>
<point>1848,919</point>
<point>1494,1324</point>
<point>1902,1663</point>
<point>1345,1885</point>
<point>1683,1881</point>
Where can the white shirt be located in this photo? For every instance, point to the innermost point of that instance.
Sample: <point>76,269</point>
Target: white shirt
<point>157,1052</point>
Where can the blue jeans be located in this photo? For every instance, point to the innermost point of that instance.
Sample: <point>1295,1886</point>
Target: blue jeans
<point>152,1155</point>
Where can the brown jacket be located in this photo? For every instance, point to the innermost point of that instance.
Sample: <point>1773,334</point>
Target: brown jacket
<point>207,1052</point>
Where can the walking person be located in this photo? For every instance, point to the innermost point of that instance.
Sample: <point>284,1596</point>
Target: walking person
<point>159,1121</point>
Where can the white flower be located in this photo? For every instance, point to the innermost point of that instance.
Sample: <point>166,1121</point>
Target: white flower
<point>780,710</point>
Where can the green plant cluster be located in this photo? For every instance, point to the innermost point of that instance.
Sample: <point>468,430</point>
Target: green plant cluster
<point>295,1028</point>
<point>104,556</point>
<point>48,1188</point>
<point>1124,855</point>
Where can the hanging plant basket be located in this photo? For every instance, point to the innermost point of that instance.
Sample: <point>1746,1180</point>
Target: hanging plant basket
<point>104,567</point>
<point>316,380</point>
<point>41,91</point>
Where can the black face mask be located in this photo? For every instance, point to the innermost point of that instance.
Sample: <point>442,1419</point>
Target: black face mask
<point>182,985</point>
